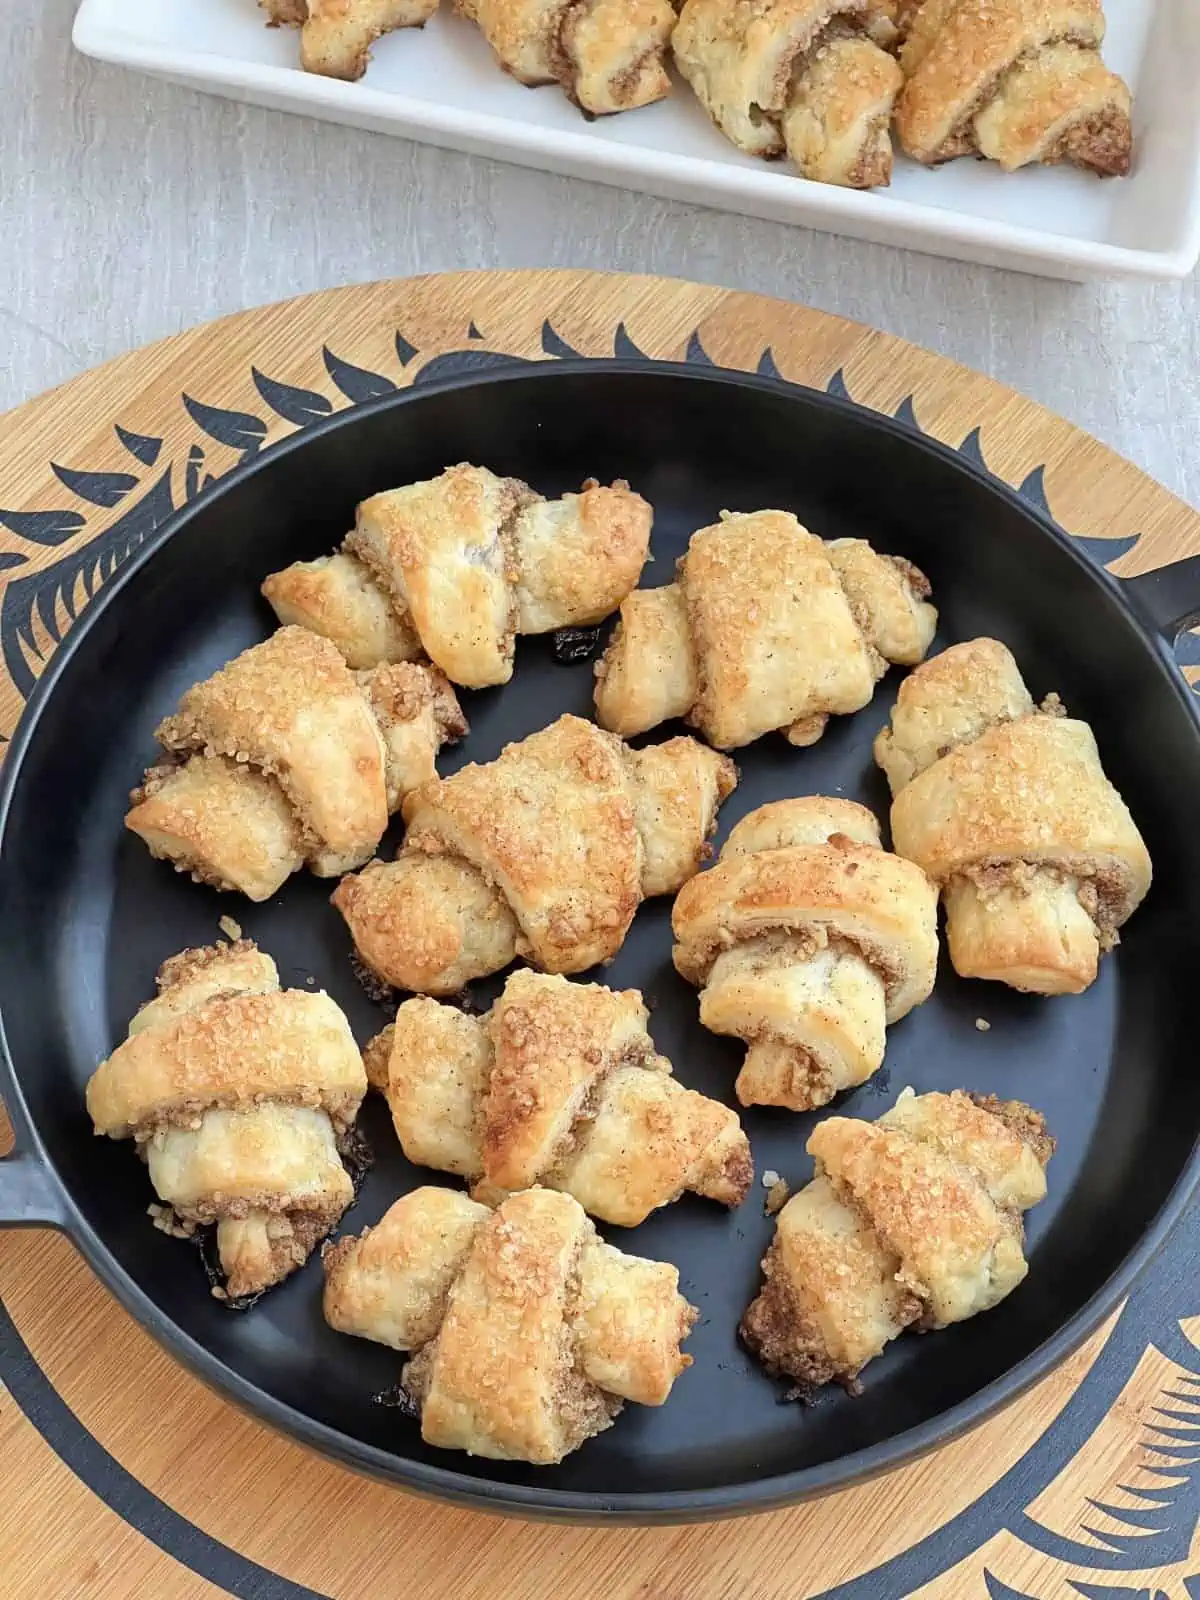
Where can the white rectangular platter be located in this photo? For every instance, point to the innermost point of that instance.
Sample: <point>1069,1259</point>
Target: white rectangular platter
<point>441,86</point>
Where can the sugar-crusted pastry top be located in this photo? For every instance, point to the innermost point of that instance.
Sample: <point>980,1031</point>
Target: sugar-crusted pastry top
<point>766,627</point>
<point>284,756</point>
<point>529,1330</point>
<point>550,822</point>
<point>606,55</point>
<point>805,76</point>
<point>837,885</point>
<point>222,1033</point>
<point>558,1084</point>
<point>239,1096</point>
<point>290,707</point>
<point>913,1219</point>
<point>456,566</point>
<point>545,852</point>
<point>1014,80</point>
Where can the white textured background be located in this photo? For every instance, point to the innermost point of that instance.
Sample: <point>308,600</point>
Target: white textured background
<point>130,210</point>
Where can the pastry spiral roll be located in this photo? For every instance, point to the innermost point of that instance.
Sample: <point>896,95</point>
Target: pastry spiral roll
<point>527,1331</point>
<point>1008,810</point>
<point>336,35</point>
<point>606,55</point>
<point>285,757</point>
<point>239,1095</point>
<point>544,853</point>
<point>915,1219</point>
<point>559,1084</point>
<point>805,76</point>
<point>457,566</point>
<point>806,939</point>
<point>765,627</point>
<point>1018,81</point>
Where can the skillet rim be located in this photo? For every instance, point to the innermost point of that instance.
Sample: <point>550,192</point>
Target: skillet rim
<point>448,1484</point>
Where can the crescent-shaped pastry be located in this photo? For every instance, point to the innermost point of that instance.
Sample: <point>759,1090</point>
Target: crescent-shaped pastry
<point>806,939</point>
<point>913,1220</point>
<point>805,76</point>
<point>606,55</point>
<point>544,853</point>
<point>285,757</point>
<point>238,1095</point>
<point>336,35</point>
<point>559,1084</point>
<point>527,1331</point>
<point>765,627</point>
<point>1008,810</point>
<point>457,566</point>
<point>1017,81</point>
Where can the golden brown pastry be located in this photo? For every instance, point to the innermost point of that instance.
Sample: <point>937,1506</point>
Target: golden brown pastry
<point>285,757</point>
<point>806,939</point>
<point>885,21</point>
<point>336,35</point>
<point>545,853</point>
<point>915,1219</point>
<point>239,1095</point>
<point>805,76</point>
<point>1007,808</point>
<point>1017,81</point>
<point>457,566</point>
<point>606,55</point>
<point>559,1084</point>
<point>337,597</point>
<point>765,627</point>
<point>528,1331</point>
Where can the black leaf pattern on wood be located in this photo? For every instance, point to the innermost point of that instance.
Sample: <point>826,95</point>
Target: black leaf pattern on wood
<point>451,363</point>
<point>289,401</point>
<point>837,386</point>
<point>42,527</point>
<point>237,429</point>
<point>195,479</point>
<point>906,413</point>
<point>1106,551</point>
<point>972,449</point>
<point>356,383</point>
<point>1141,1539</point>
<point>105,489</point>
<point>141,446</point>
<point>9,559</point>
<point>553,344</point>
<point>1108,1591</point>
<point>1002,1591</point>
<point>70,582</point>
<point>766,366</point>
<point>696,353</point>
<point>405,351</point>
<point>624,347</point>
<point>473,332</point>
<point>1151,1518</point>
<point>1033,487</point>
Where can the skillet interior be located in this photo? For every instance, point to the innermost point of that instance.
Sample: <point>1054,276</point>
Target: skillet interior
<point>88,916</point>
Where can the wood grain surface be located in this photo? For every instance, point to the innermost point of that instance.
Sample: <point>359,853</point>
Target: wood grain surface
<point>123,1475</point>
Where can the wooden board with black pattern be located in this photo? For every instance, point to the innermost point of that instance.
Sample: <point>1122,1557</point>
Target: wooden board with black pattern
<point>125,1476</point>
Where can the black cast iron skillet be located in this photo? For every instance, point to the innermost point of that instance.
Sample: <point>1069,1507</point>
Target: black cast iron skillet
<point>86,917</point>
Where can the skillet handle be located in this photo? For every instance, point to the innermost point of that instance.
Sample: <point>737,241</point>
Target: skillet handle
<point>30,1194</point>
<point>1169,597</point>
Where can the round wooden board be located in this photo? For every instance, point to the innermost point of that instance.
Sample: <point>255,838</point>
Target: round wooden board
<point>123,1476</point>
